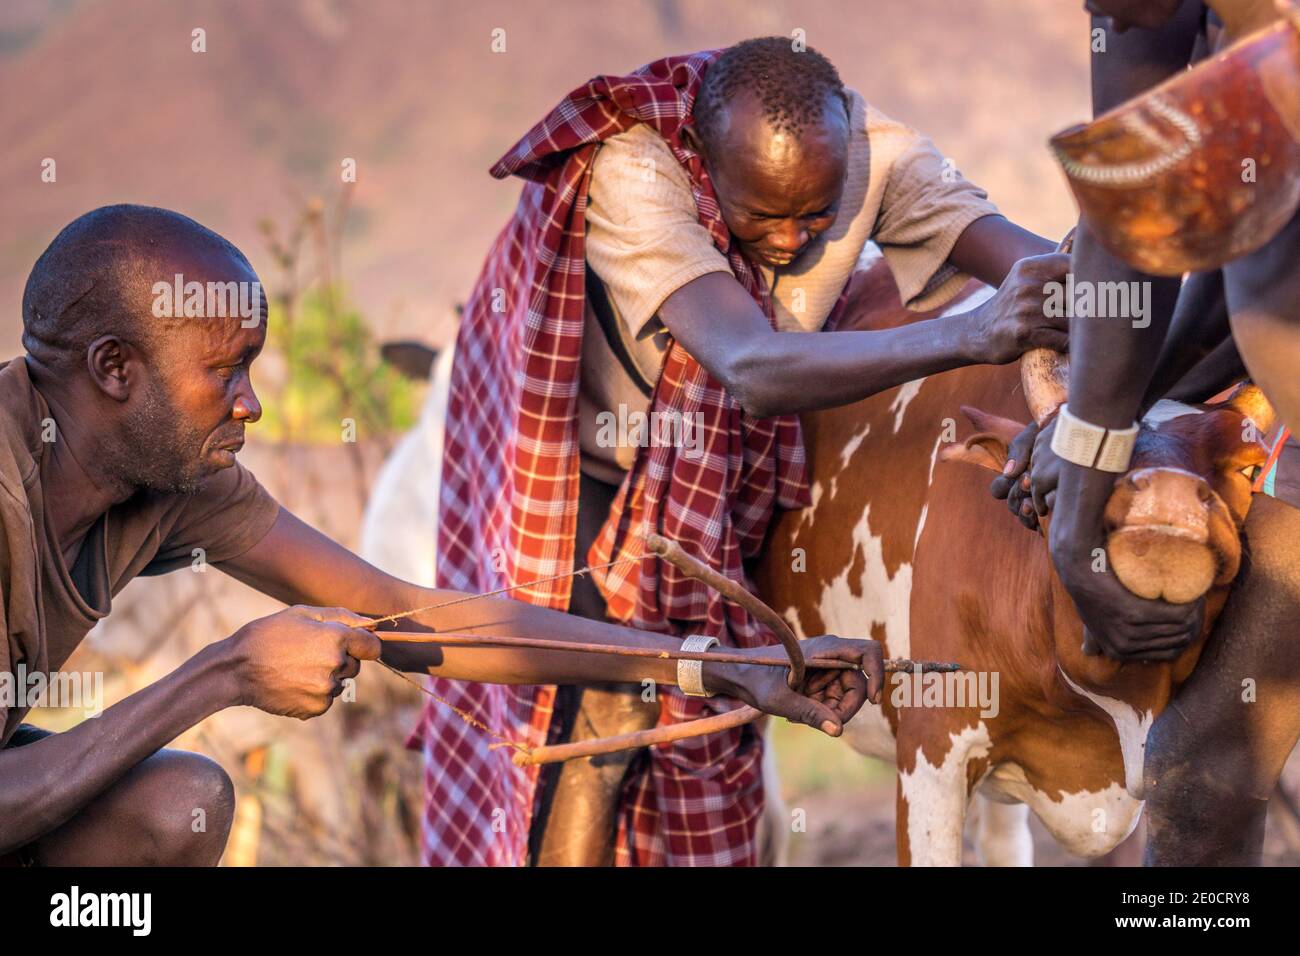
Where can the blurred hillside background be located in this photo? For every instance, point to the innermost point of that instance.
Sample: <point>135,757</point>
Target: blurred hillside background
<point>248,138</point>
<point>411,90</point>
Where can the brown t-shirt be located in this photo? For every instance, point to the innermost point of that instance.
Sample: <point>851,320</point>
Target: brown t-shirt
<point>46,607</point>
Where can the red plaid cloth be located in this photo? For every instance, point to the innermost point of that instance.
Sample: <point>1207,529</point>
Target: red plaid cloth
<point>510,496</point>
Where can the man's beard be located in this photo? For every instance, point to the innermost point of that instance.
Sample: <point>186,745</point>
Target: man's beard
<point>159,450</point>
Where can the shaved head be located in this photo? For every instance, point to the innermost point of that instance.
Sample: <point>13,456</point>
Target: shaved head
<point>95,279</point>
<point>794,88</point>
<point>160,377</point>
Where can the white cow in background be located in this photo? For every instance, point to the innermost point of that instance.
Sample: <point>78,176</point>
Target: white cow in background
<point>399,532</point>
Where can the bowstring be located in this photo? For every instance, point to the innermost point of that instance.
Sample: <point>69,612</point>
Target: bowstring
<point>464,715</point>
<point>503,740</point>
<point>580,572</point>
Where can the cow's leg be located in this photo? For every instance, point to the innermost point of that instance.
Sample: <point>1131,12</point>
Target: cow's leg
<point>1215,755</point>
<point>1002,836</point>
<point>932,798</point>
<point>578,804</point>
<point>931,818</point>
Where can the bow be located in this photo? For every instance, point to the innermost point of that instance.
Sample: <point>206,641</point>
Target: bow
<point>671,552</point>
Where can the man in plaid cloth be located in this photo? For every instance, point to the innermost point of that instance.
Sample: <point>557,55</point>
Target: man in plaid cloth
<point>630,360</point>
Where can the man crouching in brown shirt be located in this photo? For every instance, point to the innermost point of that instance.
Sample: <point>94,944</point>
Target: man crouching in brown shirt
<point>118,436</point>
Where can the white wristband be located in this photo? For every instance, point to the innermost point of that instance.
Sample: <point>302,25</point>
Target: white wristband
<point>1092,446</point>
<point>690,674</point>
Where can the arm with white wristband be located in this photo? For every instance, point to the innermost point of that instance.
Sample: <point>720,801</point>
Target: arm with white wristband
<point>690,674</point>
<point>828,698</point>
<point>1112,359</point>
<point>1092,446</point>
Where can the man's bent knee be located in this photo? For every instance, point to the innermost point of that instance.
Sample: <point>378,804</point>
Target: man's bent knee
<point>173,809</point>
<point>1202,805</point>
<point>193,803</point>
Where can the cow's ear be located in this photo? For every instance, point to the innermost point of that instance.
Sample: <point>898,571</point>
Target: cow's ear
<point>984,449</point>
<point>1004,428</point>
<point>412,359</point>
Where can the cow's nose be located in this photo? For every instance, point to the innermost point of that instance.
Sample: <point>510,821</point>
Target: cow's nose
<point>1161,543</point>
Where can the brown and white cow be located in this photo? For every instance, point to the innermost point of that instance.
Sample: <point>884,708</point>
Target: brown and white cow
<point>903,543</point>
<point>907,548</point>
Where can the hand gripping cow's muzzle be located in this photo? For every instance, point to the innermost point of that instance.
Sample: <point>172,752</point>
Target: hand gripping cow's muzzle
<point>1169,535</point>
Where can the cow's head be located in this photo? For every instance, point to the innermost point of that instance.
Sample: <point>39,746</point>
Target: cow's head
<point>1173,522</point>
<point>413,360</point>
